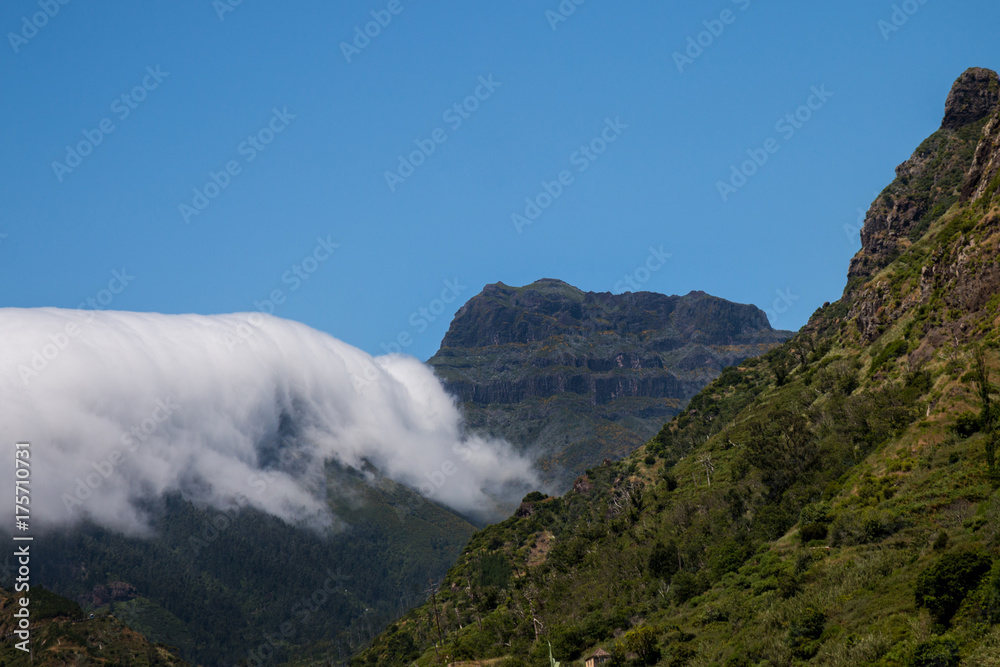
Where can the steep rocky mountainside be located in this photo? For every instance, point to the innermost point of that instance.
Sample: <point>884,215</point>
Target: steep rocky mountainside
<point>833,502</point>
<point>583,376</point>
<point>932,180</point>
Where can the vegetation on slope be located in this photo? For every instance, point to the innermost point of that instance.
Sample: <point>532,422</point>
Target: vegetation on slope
<point>62,635</point>
<point>831,502</point>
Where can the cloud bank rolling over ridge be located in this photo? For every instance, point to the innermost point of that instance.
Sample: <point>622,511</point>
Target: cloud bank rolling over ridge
<point>122,408</point>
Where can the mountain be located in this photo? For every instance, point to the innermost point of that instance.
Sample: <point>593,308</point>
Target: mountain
<point>834,501</point>
<point>61,634</point>
<point>576,377</point>
<point>226,587</point>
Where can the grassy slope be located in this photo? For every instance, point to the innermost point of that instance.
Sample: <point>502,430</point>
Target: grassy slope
<point>858,442</point>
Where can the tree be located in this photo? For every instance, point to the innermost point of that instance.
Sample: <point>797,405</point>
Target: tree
<point>942,587</point>
<point>663,561</point>
<point>642,642</point>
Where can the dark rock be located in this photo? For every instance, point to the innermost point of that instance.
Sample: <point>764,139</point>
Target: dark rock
<point>580,376</point>
<point>973,96</point>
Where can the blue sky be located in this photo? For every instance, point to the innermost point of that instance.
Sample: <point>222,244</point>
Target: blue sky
<point>631,142</point>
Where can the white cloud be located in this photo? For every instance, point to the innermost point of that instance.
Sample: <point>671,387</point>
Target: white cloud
<point>129,406</point>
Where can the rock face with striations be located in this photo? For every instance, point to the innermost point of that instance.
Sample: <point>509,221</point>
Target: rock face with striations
<point>581,376</point>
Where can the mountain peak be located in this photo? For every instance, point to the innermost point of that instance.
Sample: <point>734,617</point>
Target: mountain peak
<point>973,96</point>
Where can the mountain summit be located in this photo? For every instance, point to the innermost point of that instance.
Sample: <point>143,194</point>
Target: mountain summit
<point>578,377</point>
<point>931,181</point>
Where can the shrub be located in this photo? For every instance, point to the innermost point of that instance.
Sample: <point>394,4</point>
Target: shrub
<point>891,352</point>
<point>941,542</point>
<point>991,599</point>
<point>804,633</point>
<point>663,560</point>
<point>966,425</point>
<point>684,586</point>
<point>937,652</point>
<point>729,556</point>
<point>669,480</point>
<point>815,513</point>
<point>642,642</point>
<point>812,531</point>
<point>942,587</point>
<point>865,527</point>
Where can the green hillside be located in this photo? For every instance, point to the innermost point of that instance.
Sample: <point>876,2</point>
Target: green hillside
<point>61,634</point>
<point>221,586</point>
<point>833,502</point>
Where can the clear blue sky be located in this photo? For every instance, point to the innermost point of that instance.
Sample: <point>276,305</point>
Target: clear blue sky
<point>323,174</point>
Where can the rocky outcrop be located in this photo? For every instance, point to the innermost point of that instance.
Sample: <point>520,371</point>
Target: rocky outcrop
<point>960,162</point>
<point>581,376</point>
<point>928,183</point>
<point>974,95</point>
<point>502,314</point>
<point>986,163</point>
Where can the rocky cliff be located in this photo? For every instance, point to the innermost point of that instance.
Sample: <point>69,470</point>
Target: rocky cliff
<point>931,180</point>
<point>583,376</point>
<point>958,163</point>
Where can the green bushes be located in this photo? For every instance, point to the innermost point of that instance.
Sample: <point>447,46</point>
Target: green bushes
<point>867,526</point>
<point>805,631</point>
<point>937,652</point>
<point>991,596</point>
<point>684,586</point>
<point>494,570</point>
<point>890,352</point>
<point>942,587</point>
<point>813,531</point>
<point>966,425</point>
<point>663,562</point>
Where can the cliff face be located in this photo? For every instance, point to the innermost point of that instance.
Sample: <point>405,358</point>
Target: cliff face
<point>930,182</point>
<point>583,376</point>
<point>958,163</point>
